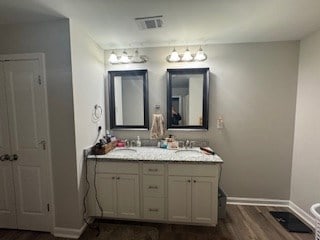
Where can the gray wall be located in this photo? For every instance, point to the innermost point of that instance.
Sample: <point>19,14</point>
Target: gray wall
<point>52,38</point>
<point>305,185</point>
<point>253,86</point>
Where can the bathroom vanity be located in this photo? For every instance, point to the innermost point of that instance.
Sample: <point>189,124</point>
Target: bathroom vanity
<point>153,184</point>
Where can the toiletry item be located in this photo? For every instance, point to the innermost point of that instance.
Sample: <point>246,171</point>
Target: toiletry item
<point>138,142</point>
<point>159,144</point>
<point>207,150</point>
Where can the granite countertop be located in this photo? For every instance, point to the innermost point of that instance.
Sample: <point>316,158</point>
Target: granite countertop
<point>158,154</point>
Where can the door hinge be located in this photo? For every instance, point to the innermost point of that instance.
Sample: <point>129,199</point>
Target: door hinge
<point>39,80</point>
<point>44,144</point>
<point>48,207</point>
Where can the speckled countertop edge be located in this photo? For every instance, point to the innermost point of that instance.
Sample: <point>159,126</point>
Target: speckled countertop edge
<point>153,154</point>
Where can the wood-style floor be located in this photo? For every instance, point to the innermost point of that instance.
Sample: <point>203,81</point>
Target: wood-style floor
<point>241,223</point>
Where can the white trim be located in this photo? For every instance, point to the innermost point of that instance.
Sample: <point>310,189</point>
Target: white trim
<point>306,217</point>
<point>69,232</point>
<point>257,201</point>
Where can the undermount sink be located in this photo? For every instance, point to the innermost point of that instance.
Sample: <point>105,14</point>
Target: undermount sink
<point>189,152</point>
<point>124,151</point>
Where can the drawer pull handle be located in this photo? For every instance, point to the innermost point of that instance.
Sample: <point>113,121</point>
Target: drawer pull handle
<point>153,210</point>
<point>153,187</point>
<point>153,170</point>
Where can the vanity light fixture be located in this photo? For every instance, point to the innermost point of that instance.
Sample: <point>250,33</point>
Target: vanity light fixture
<point>187,56</point>
<point>174,56</point>
<point>126,59</point>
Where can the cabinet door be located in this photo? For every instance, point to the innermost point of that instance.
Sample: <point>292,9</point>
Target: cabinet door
<point>128,196</point>
<point>106,194</point>
<point>204,200</point>
<point>179,198</point>
<point>7,199</point>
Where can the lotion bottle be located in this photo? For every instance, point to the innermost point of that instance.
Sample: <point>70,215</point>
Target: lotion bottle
<point>138,142</point>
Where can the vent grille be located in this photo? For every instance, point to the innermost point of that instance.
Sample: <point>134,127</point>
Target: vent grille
<point>149,22</point>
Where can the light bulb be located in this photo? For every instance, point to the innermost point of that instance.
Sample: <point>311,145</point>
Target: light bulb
<point>200,55</point>
<point>187,56</point>
<point>113,58</point>
<point>124,57</point>
<point>174,56</point>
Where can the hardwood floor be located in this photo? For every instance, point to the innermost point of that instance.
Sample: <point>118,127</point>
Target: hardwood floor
<point>241,223</point>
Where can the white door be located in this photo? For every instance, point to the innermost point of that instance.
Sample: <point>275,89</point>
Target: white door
<point>7,199</point>
<point>204,200</point>
<point>106,189</point>
<point>179,196</point>
<point>26,107</point>
<point>128,196</point>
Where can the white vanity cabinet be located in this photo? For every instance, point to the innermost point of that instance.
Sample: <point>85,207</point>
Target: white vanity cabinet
<point>118,190</point>
<point>161,191</point>
<point>193,193</point>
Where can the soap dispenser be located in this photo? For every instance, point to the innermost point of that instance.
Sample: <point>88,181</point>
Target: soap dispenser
<point>138,142</point>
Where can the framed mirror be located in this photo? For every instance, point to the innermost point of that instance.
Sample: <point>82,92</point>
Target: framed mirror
<point>128,99</point>
<point>187,98</point>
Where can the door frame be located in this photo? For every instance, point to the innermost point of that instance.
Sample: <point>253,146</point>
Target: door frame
<point>42,71</point>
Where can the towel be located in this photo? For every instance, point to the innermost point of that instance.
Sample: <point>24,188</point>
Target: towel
<point>157,128</point>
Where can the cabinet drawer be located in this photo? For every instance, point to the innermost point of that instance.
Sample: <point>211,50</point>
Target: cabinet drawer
<point>153,186</point>
<point>153,208</point>
<point>153,168</point>
<point>117,167</point>
<point>208,170</point>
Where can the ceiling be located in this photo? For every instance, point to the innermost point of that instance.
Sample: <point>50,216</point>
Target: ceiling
<point>186,22</point>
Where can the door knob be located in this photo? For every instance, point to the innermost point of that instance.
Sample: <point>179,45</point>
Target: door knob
<point>4,157</point>
<point>14,157</point>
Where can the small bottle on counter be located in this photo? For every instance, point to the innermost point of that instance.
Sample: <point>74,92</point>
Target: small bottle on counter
<point>138,142</point>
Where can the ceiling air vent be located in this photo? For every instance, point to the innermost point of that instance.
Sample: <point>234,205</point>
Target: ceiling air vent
<point>149,22</point>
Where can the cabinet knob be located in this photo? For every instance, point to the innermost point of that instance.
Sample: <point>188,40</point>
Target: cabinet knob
<point>113,177</point>
<point>5,157</point>
<point>188,180</point>
<point>118,178</point>
<point>14,157</point>
<point>194,181</point>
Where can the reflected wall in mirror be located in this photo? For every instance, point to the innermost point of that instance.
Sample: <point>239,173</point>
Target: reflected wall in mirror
<point>187,98</point>
<point>128,99</point>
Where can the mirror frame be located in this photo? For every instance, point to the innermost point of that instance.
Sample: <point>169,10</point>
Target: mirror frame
<point>111,75</point>
<point>205,99</point>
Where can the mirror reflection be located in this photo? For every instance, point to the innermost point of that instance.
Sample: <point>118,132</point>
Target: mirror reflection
<point>187,98</point>
<point>128,99</point>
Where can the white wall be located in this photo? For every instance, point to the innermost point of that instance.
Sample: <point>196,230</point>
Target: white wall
<point>253,86</point>
<point>88,90</point>
<point>52,38</point>
<point>305,186</point>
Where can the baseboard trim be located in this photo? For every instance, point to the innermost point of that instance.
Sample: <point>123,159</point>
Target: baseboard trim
<point>257,202</point>
<point>306,217</point>
<point>70,232</point>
